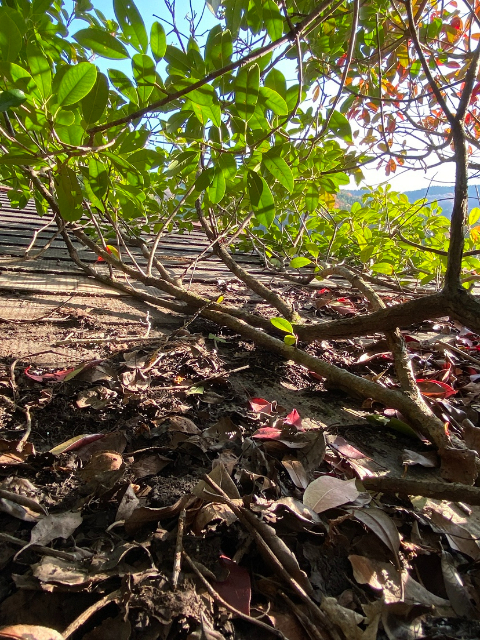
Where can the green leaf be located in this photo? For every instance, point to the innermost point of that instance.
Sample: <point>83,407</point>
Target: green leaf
<point>234,11</point>
<point>290,340</point>
<point>216,190</point>
<point>473,216</point>
<point>17,75</point>
<point>300,261</point>
<point>273,19</point>
<point>204,180</point>
<point>101,43</point>
<point>261,199</point>
<point>340,126</point>
<point>205,113</point>
<point>158,41</point>
<point>64,117</point>
<point>10,38</point>
<point>177,60</point>
<point>282,324</point>
<point>274,101</point>
<point>40,69</point>
<point>77,82</point>
<point>72,134</point>
<point>218,48</point>
<point>122,83</point>
<point>19,159</point>
<point>279,169</point>
<point>276,80</point>
<point>311,197</point>
<point>132,24</point>
<point>246,91</point>
<point>204,95</point>
<point>69,194</point>
<point>93,105</point>
<point>144,74</point>
<point>228,164</point>
<point>98,177</point>
<point>11,98</point>
<point>134,140</point>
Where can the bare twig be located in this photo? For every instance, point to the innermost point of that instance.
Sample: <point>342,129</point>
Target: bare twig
<point>178,549</point>
<point>216,596</point>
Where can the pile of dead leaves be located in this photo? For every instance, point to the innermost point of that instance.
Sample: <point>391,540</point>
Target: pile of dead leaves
<point>193,512</point>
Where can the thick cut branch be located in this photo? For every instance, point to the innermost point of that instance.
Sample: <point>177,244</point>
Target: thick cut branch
<point>400,315</point>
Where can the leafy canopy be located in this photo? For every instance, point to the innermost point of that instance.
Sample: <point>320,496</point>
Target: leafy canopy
<point>251,121</point>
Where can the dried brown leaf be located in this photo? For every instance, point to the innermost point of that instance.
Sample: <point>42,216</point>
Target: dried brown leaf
<point>296,471</point>
<point>54,526</point>
<point>128,504</point>
<point>9,455</point>
<point>328,492</point>
<point>28,632</point>
<point>382,526</point>
<point>458,465</point>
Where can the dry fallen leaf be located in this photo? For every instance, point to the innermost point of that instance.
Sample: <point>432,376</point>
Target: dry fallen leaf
<point>28,632</point>
<point>328,492</point>
<point>382,526</point>
<point>54,526</point>
<point>104,469</point>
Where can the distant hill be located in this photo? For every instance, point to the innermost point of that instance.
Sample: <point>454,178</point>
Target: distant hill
<point>443,195</point>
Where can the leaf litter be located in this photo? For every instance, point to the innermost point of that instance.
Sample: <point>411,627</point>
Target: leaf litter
<point>159,496</point>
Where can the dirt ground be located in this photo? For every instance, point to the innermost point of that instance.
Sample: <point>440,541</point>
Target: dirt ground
<point>110,526</point>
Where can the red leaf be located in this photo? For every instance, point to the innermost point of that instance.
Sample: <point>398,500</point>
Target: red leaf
<point>317,376</point>
<point>294,419</point>
<point>236,589</point>
<point>435,388</point>
<point>268,433</point>
<point>259,405</point>
<point>56,376</point>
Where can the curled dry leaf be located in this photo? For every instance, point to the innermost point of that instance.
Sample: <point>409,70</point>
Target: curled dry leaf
<point>54,526</point>
<point>143,515</point>
<point>383,576</point>
<point>19,511</point>
<point>28,632</point>
<point>346,619</point>
<point>128,504</point>
<point>455,588</point>
<point>458,465</point>
<point>221,477</point>
<point>458,536</point>
<point>9,455</point>
<point>104,468</point>
<point>213,511</point>
<point>411,458</point>
<point>96,398</point>
<point>382,526</point>
<point>183,425</point>
<point>135,380</point>
<point>327,493</point>
<point>296,471</point>
<point>149,465</point>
